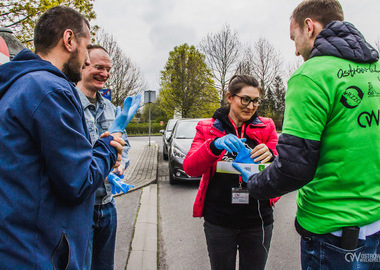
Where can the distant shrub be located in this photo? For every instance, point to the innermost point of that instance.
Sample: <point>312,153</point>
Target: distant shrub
<point>143,128</point>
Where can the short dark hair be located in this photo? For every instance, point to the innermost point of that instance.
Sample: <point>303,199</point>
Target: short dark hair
<point>53,23</point>
<point>96,46</point>
<point>237,82</point>
<point>322,11</point>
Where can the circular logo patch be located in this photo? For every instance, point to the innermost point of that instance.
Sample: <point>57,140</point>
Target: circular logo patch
<point>351,97</point>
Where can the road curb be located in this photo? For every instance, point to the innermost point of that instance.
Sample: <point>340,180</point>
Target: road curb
<point>143,254</point>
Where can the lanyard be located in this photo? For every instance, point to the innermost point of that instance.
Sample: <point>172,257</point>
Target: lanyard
<point>241,136</point>
<point>236,130</point>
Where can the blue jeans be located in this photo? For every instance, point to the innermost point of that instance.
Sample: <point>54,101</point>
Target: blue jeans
<point>223,243</point>
<point>323,252</point>
<point>101,247</point>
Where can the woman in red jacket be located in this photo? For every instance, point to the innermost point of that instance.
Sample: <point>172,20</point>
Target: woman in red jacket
<point>229,226</point>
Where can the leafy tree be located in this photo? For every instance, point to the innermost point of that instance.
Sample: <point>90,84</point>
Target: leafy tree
<point>21,15</point>
<point>126,78</point>
<point>187,85</point>
<point>222,54</point>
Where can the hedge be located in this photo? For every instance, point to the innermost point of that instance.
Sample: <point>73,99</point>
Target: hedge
<point>143,128</point>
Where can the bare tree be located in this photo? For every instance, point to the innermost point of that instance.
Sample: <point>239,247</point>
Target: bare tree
<point>266,63</point>
<point>263,62</point>
<point>222,54</point>
<point>292,66</point>
<point>126,78</point>
<point>245,66</point>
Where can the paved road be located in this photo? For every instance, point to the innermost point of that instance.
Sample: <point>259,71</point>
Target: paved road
<point>181,239</point>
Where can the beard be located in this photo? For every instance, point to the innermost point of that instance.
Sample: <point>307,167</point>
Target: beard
<point>72,68</point>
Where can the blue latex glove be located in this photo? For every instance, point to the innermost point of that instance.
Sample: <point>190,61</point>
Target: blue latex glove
<point>245,175</point>
<point>117,184</point>
<point>230,142</point>
<point>123,117</point>
<point>244,156</point>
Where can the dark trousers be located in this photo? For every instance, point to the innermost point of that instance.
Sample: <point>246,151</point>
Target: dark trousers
<point>101,248</point>
<point>223,243</point>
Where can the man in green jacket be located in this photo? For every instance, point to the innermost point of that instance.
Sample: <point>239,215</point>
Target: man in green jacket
<point>330,144</point>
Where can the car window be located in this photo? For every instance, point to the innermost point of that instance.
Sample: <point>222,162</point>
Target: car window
<point>186,130</point>
<point>170,125</point>
<point>13,44</point>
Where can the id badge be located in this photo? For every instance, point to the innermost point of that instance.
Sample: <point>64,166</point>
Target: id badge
<point>240,196</point>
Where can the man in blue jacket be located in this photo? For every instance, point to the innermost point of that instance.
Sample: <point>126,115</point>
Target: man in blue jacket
<point>49,170</point>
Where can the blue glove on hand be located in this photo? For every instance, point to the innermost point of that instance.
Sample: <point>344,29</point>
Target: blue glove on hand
<point>244,156</point>
<point>245,175</point>
<point>230,142</point>
<point>123,117</point>
<point>117,184</point>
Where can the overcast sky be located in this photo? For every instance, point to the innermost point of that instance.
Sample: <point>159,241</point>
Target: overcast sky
<point>147,30</point>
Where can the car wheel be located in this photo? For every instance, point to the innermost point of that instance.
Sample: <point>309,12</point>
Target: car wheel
<point>172,180</point>
<point>165,153</point>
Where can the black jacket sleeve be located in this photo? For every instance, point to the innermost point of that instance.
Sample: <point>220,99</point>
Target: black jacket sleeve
<point>293,168</point>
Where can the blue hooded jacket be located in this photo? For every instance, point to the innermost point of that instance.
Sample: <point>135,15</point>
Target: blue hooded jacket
<point>49,170</point>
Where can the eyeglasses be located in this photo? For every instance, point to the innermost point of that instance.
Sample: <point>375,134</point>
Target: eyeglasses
<point>246,100</point>
<point>101,68</point>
